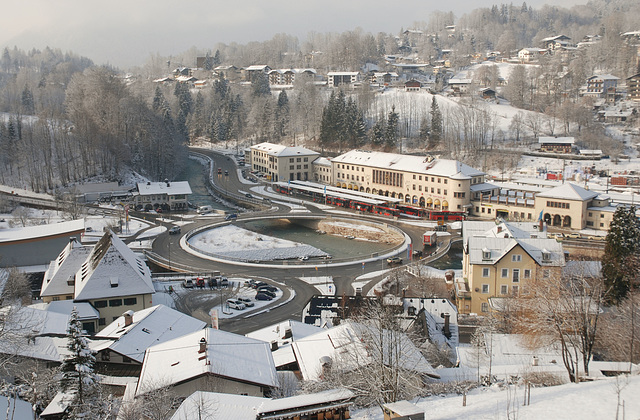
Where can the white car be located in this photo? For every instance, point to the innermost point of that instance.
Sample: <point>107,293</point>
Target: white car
<point>235,304</point>
<point>247,302</point>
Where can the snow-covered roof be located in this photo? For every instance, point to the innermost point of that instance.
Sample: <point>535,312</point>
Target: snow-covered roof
<point>232,356</point>
<point>344,345</point>
<point>604,77</point>
<point>417,164</point>
<point>284,333</point>
<point>150,326</point>
<point>42,231</point>
<point>63,268</point>
<point>497,248</point>
<point>242,407</point>
<point>85,310</point>
<point>112,270</point>
<point>34,322</point>
<point>404,408</point>
<point>569,191</point>
<point>556,140</point>
<point>342,73</point>
<point>169,188</point>
<point>257,67</point>
<point>322,161</point>
<point>280,150</point>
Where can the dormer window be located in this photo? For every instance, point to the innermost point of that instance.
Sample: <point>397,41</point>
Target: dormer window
<point>114,281</point>
<point>486,254</point>
<point>546,255</point>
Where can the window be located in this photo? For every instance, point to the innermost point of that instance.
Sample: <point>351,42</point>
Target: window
<point>527,273</point>
<point>115,302</point>
<point>100,304</point>
<point>514,290</point>
<point>102,321</point>
<point>516,258</point>
<point>485,288</point>
<point>488,211</point>
<point>504,289</point>
<point>515,275</point>
<point>485,272</point>
<point>546,274</point>
<point>130,301</point>
<point>485,307</point>
<point>105,356</point>
<point>504,273</point>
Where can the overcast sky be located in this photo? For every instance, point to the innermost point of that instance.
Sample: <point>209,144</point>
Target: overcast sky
<point>125,33</point>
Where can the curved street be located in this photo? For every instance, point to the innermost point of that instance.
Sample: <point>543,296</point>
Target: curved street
<point>168,253</point>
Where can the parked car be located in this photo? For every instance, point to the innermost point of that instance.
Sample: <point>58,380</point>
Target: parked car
<point>263,296</point>
<point>174,230</point>
<point>248,195</point>
<point>232,216</point>
<point>268,293</point>
<point>221,281</point>
<point>574,235</point>
<point>250,283</point>
<point>247,302</point>
<point>257,284</point>
<point>268,287</point>
<point>394,261</point>
<point>597,238</point>
<point>188,283</point>
<point>200,282</point>
<point>235,304</point>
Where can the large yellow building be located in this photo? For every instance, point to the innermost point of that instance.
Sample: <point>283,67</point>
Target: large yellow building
<point>500,260</point>
<point>438,184</point>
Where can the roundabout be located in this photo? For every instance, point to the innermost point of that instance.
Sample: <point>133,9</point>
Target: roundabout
<point>352,241</point>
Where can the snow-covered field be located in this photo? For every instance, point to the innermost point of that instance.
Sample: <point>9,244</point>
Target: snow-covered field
<point>237,243</point>
<point>585,401</point>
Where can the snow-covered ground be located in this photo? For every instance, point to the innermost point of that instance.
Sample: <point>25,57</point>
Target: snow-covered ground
<point>234,242</point>
<point>586,400</point>
<point>235,290</point>
<point>323,283</point>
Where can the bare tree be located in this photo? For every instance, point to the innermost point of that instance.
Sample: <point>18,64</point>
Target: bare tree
<point>563,310</point>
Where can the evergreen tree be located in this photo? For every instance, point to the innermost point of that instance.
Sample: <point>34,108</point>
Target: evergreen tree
<point>378,130</point>
<point>158,100</point>
<point>282,115</point>
<point>78,377</point>
<point>217,60</point>
<point>185,101</point>
<point>27,101</point>
<point>260,84</point>
<point>423,135</point>
<point>435,135</point>
<point>620,262</point>
<point>208,62</point>
<point>391,129</point>
<point>355,124</point>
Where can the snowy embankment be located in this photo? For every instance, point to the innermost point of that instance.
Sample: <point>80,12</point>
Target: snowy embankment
<point>237,243</point>
<point>587,400</point>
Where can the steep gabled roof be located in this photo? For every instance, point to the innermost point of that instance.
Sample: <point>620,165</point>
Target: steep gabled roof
<point>150,326</point>
<point>228,355</point>
<point>57,278</point>
<point>112,270</point>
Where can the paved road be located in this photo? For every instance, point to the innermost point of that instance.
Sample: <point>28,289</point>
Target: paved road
<point>168,247</point>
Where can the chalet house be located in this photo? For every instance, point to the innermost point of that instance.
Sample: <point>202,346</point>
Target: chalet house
<point>182,72</point>
<point>384,79</point>
<point>121,345</point>
<point>164,195</point>
<point>633,87</point>
<point>412,85</point>
<point>332,404</point>
<point>209,359</point>
<point>460,86</point>
<point>500,259</point>
<point>556,144</point>
<point>108,275</point>
<point>487,93</point>
<point>527,55</point>
<point>248,72</point>
<point>342,78</point>
<point>602,85</point>
<point>555,42</point>
<point>230,72</point>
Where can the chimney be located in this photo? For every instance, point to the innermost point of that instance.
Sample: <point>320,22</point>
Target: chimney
<point>274,345</point>
<point>128,318</point>
<point>446,330</point>
<point>203,345</point>
<point>499,229</point>
<point>287,334</point>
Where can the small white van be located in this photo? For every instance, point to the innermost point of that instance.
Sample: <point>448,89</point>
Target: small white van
<point>204,210</point>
